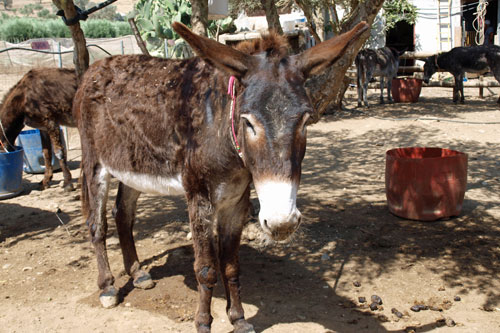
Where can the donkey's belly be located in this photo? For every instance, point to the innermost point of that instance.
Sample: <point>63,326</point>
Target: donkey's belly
<point>147,183</point>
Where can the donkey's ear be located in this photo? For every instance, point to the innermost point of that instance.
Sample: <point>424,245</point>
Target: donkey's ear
<point>221,56</point>
<point>316,59</point>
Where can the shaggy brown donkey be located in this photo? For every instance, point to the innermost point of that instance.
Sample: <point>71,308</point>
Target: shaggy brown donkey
<point>42,99</point>
<point>169,127</point>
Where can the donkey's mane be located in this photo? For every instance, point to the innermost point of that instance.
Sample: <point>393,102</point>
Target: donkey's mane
<point>273,44</point>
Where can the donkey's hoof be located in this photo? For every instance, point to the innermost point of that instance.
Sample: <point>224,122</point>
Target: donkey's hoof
<point>143,281</point>
<point>242,326</point>
<point>109,298</point>
<point>68,187</point>
<point>43,185</point>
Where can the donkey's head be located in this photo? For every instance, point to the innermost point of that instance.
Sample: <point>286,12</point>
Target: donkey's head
<point>430,67</point>
<point>272,114</point>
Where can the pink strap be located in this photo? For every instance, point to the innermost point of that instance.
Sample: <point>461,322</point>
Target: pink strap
<point>232,93</point>
<point>230,88</point>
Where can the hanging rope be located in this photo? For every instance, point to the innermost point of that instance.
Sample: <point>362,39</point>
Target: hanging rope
<point>478,23</point>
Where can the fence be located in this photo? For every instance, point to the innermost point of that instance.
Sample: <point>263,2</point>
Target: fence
<point>58,52</point>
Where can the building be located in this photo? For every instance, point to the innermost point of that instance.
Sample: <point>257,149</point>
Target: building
<point>444,24</point>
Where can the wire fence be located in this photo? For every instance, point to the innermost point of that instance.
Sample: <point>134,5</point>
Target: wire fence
<point>58,52</point>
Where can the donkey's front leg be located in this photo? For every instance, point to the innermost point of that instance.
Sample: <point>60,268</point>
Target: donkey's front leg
<point>47,156</point>
<point>230,226</point>
<point>205,260</point>
<point>461,87</point>
<point>125,208</point>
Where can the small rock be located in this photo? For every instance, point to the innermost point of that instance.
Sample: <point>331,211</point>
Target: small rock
<point>6,266</point>
<point>128,305</point>
<point>441,322</point>
<point>356,284</point>
<point>362,299</point>
<point>325,257</point>
<point>376,299</point>
<point>383,318</point>
<point>189,236</point>
<point>450,322</point>
<point>27,268</point>
<point>373,306</point>
<point>397,313</point>
<point>457,299</point>
<point>415,308</point>
<point>441,289</point>
<point>76,197</point>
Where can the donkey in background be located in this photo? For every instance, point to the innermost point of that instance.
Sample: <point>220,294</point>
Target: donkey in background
<point>383,62</point>
<point>457,61</point>
<point>42,99</point>
<point>168,127</point>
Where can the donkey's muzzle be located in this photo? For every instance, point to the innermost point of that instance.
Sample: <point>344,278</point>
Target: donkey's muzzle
<point>281,227</point>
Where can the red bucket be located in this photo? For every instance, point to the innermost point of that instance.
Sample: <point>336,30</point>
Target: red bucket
<point>425,184</point>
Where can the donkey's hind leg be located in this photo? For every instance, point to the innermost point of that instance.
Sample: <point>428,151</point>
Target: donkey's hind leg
<point>96,185</point>
<point>124,212</point>
<point>47,156</point>
<point>381,90</point>
<point>389,89</point>
<point>60,152</point>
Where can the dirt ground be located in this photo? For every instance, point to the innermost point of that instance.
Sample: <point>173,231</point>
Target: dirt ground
<point>349,246</point>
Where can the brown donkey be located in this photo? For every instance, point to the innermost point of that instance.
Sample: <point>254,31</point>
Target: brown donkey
<point>42,99</point>
<point>169,127</point>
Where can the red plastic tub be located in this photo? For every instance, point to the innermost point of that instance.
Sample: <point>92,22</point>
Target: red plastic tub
<point>406,90</point>
<point>425,184</point>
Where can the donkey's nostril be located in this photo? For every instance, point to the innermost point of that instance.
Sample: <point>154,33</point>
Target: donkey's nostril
<point>265,224</point>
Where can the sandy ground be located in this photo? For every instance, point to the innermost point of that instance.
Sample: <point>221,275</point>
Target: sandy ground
<point>350,246</point>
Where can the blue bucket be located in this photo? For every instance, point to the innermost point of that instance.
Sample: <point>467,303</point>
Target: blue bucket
<point>11,173</point>
<point>34,162</point>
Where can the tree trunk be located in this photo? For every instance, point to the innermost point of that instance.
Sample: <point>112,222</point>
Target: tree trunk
<point>199,16</point>
<point>308,13</point>
<point>80,53</point>
<point>272,16</point>
<point>328,87</point>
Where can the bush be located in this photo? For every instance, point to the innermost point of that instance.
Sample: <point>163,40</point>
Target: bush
<point>123,28</point>
<point>57,28</point>
<point>46,14</point>
<point>99,29</point>
<point>19,29</point>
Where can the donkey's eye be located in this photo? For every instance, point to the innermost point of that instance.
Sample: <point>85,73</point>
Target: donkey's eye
<point>249,126</point>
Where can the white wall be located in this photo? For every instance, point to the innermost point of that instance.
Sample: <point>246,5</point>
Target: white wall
<point>426,28</point>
